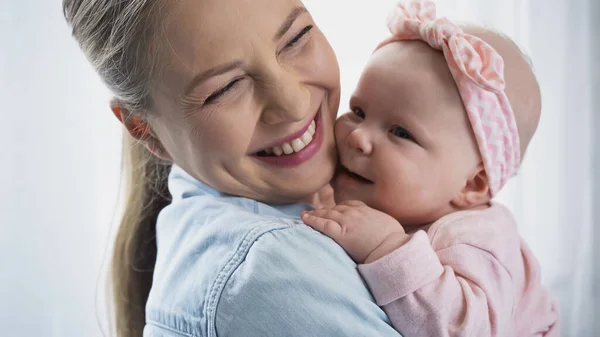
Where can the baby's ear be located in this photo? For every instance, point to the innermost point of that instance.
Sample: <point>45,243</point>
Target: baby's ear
<point>476,191</point>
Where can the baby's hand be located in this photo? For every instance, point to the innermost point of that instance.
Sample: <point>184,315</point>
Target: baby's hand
<point>365,233</point>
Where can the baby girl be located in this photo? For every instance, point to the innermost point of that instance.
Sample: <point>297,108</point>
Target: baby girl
<point>439,122</point>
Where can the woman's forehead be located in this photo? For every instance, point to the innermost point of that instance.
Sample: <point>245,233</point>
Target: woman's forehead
<point>215,28</point>
<point>203,34</point>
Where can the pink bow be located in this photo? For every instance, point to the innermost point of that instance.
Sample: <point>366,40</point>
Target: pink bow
<point>475,58</point>
<point>478,71</point>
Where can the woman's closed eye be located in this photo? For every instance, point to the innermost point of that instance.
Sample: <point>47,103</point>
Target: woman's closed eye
<point>231,85</point>
<point>296,39</point>
<point>402,133</point>
<point>214,96</point>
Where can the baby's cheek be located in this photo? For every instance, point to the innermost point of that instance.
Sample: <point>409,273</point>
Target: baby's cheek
<point>401,193</point>
<point>389,194</point>
<point>341,129</point>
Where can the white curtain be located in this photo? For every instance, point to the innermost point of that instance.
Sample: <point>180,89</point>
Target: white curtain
<point>61,146</point>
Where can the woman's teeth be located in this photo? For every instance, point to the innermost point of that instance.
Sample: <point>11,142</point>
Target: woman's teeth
<point>295,145</point>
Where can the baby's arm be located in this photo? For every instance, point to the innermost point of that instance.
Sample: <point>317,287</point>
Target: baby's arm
<point>458,289</point>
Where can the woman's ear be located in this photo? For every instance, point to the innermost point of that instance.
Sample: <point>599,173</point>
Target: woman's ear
<point>476,191</point>
<point>140,130</point>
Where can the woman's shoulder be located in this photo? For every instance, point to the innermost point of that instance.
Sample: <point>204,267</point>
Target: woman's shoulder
<point>199,239</point>
<point>232,262</point>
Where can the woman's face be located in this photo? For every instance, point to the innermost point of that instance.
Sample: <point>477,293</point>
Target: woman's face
<point>248,97</point>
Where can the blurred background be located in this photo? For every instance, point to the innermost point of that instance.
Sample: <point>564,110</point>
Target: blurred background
<point>60,152</point>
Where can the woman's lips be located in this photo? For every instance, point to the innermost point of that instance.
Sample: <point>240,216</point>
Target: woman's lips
<point>296,135</point>
<point>295,145</point>
<point>295,158</point>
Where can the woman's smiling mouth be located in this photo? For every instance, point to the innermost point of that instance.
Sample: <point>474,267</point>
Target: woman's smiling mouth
<point>295,145</point>
<point>296,148</point>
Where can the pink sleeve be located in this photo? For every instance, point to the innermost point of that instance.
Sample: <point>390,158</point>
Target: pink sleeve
<point>458,290</point>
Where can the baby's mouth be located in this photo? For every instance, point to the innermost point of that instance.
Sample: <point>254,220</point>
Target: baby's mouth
<point>359,178</point>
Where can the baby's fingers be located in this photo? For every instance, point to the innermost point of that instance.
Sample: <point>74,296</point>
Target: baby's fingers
<point>352,203</point>
<point>323,221</point>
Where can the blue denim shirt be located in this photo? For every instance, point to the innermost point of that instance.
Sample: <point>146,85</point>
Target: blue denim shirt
<point>231,266</point>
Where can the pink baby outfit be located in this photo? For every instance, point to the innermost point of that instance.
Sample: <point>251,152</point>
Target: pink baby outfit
<point>469,275</point>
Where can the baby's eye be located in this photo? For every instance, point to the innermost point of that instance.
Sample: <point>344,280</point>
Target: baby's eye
<point>359,113</point>
<point>401,132</point>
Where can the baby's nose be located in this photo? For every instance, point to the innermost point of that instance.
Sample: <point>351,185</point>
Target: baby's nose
<point>359,141</point>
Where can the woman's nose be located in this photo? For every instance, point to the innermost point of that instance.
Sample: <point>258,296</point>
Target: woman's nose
<point>359,141</point>
<point>287,99</point>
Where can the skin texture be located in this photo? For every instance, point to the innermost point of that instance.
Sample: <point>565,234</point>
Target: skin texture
<point>409,140</point>
<point>275,85</point>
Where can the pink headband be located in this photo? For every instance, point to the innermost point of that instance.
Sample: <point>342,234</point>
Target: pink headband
<point>478,71</point>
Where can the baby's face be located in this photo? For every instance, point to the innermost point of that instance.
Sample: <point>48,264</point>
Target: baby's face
<point>406,148</point>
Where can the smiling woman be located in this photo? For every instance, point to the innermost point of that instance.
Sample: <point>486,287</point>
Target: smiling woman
<point>245,94</point>
<point>60,176</point>
<point>238,107</point>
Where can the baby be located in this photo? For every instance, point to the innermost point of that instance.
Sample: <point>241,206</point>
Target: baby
<point>440,120</point>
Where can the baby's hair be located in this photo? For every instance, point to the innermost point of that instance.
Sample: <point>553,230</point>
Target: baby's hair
<point>517,45</point>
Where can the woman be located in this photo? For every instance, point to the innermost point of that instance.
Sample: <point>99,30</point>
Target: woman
<point>240,96</point>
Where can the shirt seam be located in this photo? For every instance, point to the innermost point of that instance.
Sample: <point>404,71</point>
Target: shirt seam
<point>224,275</point>
<point>170,329</point>
<point>228,270</point>
<point>460,215</point>
<point>444,223</point>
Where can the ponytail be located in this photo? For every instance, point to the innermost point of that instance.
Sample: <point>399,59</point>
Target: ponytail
<point>119,38</point>
<point>134,254</point>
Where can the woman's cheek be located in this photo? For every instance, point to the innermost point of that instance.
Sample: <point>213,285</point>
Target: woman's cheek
<point>330,67</point>
<point>320,62</point>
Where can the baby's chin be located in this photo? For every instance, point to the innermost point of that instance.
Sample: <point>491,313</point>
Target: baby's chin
<point>343,192</point>
<point>341,197</point>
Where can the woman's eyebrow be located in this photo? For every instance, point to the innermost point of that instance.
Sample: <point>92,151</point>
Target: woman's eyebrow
<point>287,24</point>
<point>218,70</point>
<point>221,69</point>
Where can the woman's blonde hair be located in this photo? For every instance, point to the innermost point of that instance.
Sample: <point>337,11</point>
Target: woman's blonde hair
<point>119,38</point>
